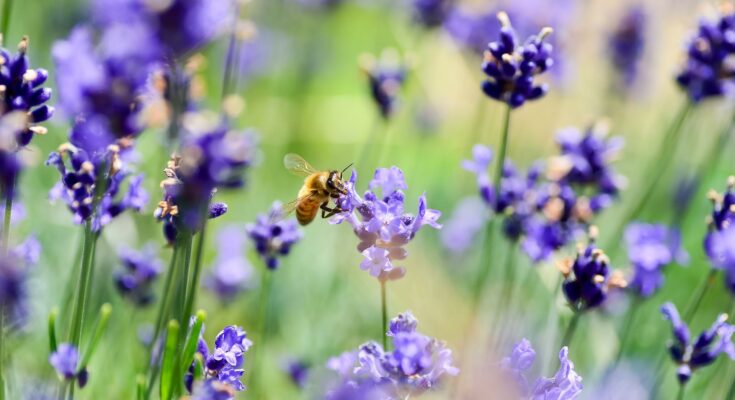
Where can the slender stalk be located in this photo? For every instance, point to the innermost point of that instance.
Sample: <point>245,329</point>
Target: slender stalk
<point>384,310</point>
<point>703,288</point>
<point>77,320</point>
<point>6,222</point>
<point>265,295</point>
<point>506,296</point>
<point>7,9</point>
<point>571,329</point>
<point>193,285</point>
<point>2,354</point>
<point>502,150</point>
<point>680,396</point>
<point>731,391</point>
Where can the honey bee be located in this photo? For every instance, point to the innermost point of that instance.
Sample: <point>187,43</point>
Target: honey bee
<point>319,187</point>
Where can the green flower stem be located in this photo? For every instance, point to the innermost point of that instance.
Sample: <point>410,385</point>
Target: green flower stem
<point>384,312</point>
<point>7,10</point>
<point>506,295</point>
<point>167,363</point>
<point>703,289</point>
<point>680,396</point>
<point>77,320</point>
<point>100,327</point>
<point>266,287</point>
<point>6,223</point>
<point>571,329</point>
<point>52,342</point>
<point>503,150</point>
<point>193,285</point>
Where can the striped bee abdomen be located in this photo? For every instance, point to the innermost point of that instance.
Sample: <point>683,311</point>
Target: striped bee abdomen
<point>307,208</point>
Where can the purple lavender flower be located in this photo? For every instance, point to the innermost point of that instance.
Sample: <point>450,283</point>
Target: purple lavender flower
<point>210,158</point>
<point>178,27</point>
<point>472,30</point>
<point>298,371</point>
<point>511,68</point>
<point>691,356</point>
<point>592,279</point>
<point>10,166</point>
<point>14,272</point>
<point>465,223</point>
<point>626,44</point>
<point>417,364</point>
<point>232,272</point>
<point>101,86</point>
<point>65,361</point>
<point>211,389</point>
<point>224,364</point>
<point>139,272</point>
<point>381,223</point>
<point>273,236</point>
<point>80,176</point>
<point>708,71</point>
<point>650,249</point>
<point>430,13</point>
<point>402,323</point>
<point>565,385</point>
<point>23,92</point>
<point>386,77</point>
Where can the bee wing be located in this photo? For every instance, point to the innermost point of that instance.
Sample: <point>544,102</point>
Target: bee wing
<point>297,165</point>
<point>289,207</point>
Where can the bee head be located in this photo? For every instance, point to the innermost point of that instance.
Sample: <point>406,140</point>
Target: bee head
<point>335,183</point>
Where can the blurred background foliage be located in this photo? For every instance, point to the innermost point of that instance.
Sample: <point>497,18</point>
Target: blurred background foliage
<point>304,93</point>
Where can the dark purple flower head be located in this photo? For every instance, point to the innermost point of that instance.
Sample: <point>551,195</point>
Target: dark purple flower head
<point>380,222</point>
<point>586,162</point>
<point>719,242</point>
<point>10,164</point>
<point>210,158</point>
<point>80,176</point>
<point>626,44</point>
<point>65,361</point>
<point>417,364</point>
<point>566,384</point>
<point>650,249</point>
<point>23,92</point>
<point>273,236</point>
<point>430,13</point>
<point>587,279</point>
<point>691,355</point>
<point>140,270</point>
<point>386,77</point>
<point>708,71</point>
<point>232,273</point>
<point>511,68</point>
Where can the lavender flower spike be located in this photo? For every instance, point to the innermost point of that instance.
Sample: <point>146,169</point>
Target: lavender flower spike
<point>651,247</point>
<point>566,384</point>
<point>386,77</point>
<point>273,236</point>
<point>691,355</point>
<point>140,270</point>
<point>511,68</point>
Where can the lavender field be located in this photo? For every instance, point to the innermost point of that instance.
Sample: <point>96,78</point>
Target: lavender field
<point>367,199</point>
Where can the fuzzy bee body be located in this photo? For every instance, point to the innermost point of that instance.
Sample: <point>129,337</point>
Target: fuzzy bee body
<point>319,187</point>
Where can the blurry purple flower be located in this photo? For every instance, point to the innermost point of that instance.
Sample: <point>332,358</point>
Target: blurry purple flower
<point>626,44</point>
<point>465,223</point>
<point>210,158</point>
<point>402,323</point>
<point>140,270</point>
<point>430,13</point>
<point>691,356</point>
<point>65,361</point>
<point>565,385</point>
<point>381,223</point>
<point>708,71</point>
<point>650,249</point>
<point>297,371</point>
<point>685,189</point>
<point>224,364</point>
<point>211,389</point>
<point>14,273</point>
<point>232,272</point>
<point>273,236</point>
<point>386,77</point>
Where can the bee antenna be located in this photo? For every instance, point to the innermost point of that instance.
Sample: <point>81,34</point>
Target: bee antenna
<point>343,171</point>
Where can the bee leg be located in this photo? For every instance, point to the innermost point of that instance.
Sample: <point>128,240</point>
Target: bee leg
<point>328,212</point>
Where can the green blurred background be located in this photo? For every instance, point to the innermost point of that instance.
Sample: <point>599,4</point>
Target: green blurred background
<point>307,95</point>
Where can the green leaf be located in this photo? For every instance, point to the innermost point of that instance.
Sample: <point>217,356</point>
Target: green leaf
<point>99,329</point>
<point>52,329</point>
<point>169,357</point>
<point>191,342</point>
